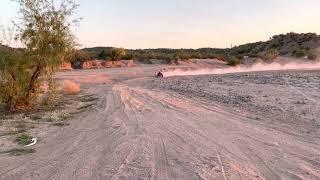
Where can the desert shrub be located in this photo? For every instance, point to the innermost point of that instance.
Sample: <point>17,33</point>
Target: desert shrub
<point>196,55</point>
<point>168,58</point>
<point>128,56</point>
<point>182,56</point>
<point>77,56</point>
<point>44,31</point>
<point>232,60</point>
<point>299,53</point>
<point>312,56</point>
<point>15,82</point>
<point>20,151</point>
<point>220,57</point>
<point>270,55</point>
<point>70,87</point>
<point>238,56</point>
<point>103,55</point>
<point>117,54</point>
<point>24,139</point>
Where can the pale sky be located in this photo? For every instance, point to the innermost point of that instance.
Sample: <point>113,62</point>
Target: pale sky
<point>185,23</point>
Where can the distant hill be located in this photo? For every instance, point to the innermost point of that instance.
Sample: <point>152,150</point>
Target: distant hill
<point>286,44</point>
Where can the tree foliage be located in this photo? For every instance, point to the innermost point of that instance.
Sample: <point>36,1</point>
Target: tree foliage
<point>182,56</point>
<point>77,56</point>
<point>270,55</point>
<point>299,53</point>
<point>103,55</point>
<point>117,54</point>
<point>313,54</point>
<point>232,60</point>
<point>44,31</point>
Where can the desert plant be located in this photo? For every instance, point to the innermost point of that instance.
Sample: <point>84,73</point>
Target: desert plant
<point>44,31</point>
<point>299,53</point>
<point>270,55</point>
<point>220,57</point>
<point>181,55</point>
<point>103,55</point>
<point>70,87</point>
<point>24,139</point>
<point>117,54</point>
<point>128,56</point>
<point>19,151</point>
<point>232,60</point>
<point>313,54</point>
<point>77,56</point>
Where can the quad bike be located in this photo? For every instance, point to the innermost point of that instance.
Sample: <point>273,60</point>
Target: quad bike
<point>160,75</point>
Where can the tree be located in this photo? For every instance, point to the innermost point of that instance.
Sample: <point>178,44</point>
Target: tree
<point>232,60</point>
<point>44,31</point>
<point>128,56</point>
<point>299,53</point>
<point>117,54</point>
<point>103,55</point>
<point>313,54</point>
<point>77,56</point>
<point>182,56</point>
<point>270,55</point>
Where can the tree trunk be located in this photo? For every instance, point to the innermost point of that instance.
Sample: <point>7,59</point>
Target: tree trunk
<point>32,84</point>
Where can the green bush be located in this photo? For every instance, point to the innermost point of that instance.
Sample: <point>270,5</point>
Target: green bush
<point>312,56</point>
<point>117,54</point>
<point>128,56</point>
<point>103,55</point>
<point>299,53</point>
<point>16,73</point>
<point>270,55</point>
<point>44,30</point>
<point>24,139</point>
<point>75,56</point>
<point>182,56</point>
<point>232,60</point>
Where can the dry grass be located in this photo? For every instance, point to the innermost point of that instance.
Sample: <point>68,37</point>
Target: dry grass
<point>70,87</point>
<point>19,151</point>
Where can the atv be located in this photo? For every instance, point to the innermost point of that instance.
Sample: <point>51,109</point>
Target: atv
<point>160,75</point>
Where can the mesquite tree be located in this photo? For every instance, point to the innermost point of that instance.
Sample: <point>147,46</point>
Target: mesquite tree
<point>45,34</point>
<point>117,54</point>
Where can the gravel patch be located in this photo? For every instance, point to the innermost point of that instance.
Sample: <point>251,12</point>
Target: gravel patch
<point>289,99</point>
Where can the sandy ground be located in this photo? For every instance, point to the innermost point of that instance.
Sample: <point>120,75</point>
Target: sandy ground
<point>239,126</point>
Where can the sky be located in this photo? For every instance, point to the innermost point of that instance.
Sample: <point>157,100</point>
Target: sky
<point>185,23</point>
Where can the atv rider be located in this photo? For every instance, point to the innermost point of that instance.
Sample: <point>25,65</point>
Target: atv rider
<point>160,74</point>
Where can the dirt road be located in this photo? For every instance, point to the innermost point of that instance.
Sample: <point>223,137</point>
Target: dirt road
<point>135,132</point>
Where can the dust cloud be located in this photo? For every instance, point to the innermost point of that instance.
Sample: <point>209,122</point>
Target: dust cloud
<point>239,69</point>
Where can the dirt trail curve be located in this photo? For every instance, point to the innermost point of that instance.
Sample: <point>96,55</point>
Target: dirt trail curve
<point>136,133</point>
